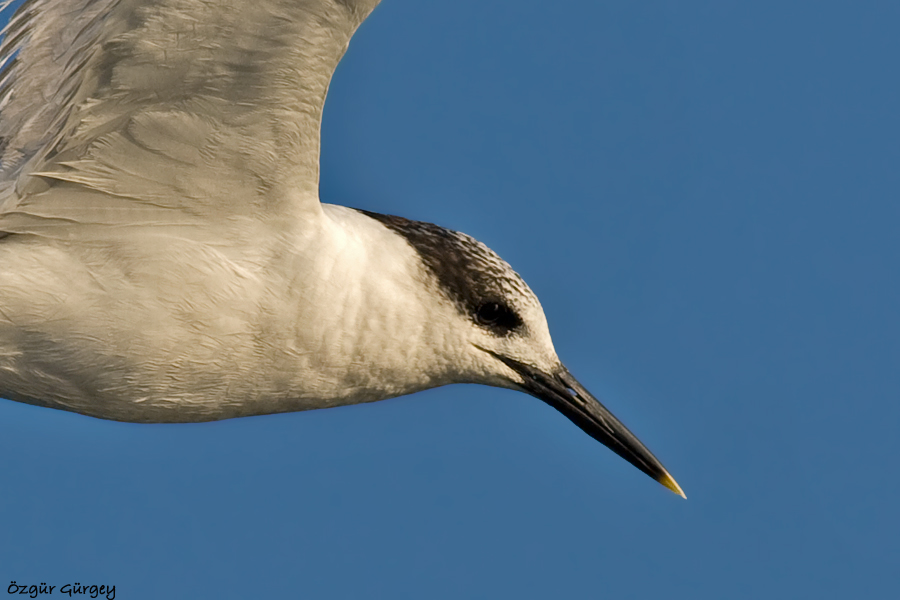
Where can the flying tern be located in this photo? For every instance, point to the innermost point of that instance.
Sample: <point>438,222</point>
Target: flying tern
<point>164,256</point>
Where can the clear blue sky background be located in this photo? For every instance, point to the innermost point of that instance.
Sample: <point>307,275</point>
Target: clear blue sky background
<point>705,196</point>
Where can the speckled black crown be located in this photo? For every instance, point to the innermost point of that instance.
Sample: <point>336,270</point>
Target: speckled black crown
<point>469,273</point>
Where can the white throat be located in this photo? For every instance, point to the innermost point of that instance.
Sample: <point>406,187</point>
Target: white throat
<point>379,327</point>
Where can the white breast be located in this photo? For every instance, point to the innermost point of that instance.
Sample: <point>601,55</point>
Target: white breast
<point>167,324</point>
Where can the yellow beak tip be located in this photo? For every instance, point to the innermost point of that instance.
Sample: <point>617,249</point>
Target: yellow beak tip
<point>672,485</point>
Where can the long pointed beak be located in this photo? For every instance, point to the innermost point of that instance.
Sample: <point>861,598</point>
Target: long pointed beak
<point>563,392</point>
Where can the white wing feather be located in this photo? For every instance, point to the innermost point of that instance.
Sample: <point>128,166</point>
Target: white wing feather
<point>211,106</point>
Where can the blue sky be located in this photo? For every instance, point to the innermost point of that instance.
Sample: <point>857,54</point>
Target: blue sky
<point>706,198</point>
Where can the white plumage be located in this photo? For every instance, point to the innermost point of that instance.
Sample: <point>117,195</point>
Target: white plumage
<point>163,252</point>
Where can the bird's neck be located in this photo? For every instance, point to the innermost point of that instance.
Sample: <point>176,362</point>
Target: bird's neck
<point>368,330</point>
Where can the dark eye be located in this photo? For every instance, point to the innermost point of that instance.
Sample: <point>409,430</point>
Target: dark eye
<point>497,316</point>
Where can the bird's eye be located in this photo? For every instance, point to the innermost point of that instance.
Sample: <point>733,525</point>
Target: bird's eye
<point>497,315</point>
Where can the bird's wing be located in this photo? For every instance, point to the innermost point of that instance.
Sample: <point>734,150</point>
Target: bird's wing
<point>204,105</point>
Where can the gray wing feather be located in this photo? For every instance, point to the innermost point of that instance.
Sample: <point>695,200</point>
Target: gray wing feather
<point>195,104</point>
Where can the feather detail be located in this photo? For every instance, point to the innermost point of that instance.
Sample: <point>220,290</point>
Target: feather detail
<point>174,99</point>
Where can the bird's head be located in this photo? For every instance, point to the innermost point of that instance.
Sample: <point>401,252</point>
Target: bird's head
<point>501,338</point>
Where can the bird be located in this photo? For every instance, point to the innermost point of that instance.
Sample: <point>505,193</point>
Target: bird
<point>165,256</point>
